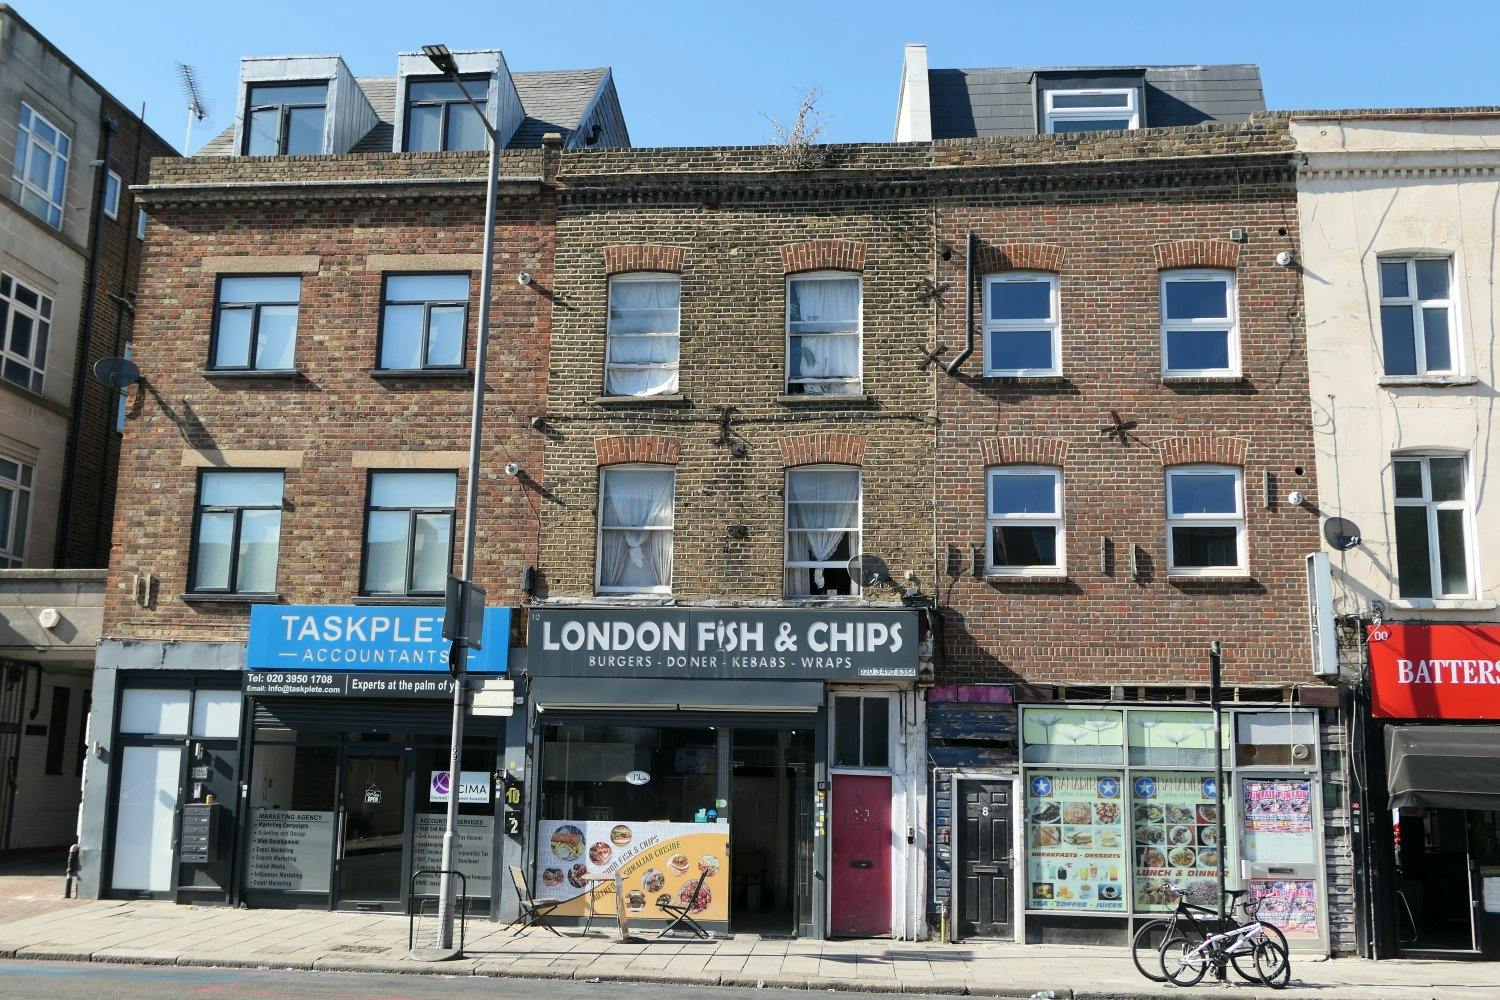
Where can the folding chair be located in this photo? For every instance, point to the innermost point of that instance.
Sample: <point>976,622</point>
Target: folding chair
<point>682,914</point>
<point>533,911</point>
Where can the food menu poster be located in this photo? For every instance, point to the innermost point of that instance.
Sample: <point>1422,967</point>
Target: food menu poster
<point>1277,819</point>
<point>1175,829</point>
<point>1075,841</point>
<point>657,862</point>
<point>1289,903</point>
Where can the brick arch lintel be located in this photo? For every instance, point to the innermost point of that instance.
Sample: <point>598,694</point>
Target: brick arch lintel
<point>1206,448</point>
<point>1024,450</point>
<point>822,255</point>
<point>1197,253</point>
<point>652,448</point>
<point>829,448</point>
<point>642,257</point>
<point>993,258</point>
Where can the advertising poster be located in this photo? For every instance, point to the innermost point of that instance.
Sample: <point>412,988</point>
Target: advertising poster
<point>658,862</point>
<point>1278,820</point>
<point>290,850</point>
<point>1289,903</point>
<point>1075,841</point>
<point>1174,825</point>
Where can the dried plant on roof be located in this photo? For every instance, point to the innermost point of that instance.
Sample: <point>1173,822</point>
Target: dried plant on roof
<point>798,137</point>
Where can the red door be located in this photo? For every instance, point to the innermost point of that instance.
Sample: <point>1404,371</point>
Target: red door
<point>861,883</point>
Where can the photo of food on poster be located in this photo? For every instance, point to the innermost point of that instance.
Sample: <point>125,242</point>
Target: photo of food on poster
<point>657,862</point>
<point>1075,841</point>
<point>1175,828</point>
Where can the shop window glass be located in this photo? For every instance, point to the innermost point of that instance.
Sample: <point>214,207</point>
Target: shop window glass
<point>861,731</point>
<point>1075,840</point>
<point>1174,739</point>
<point>1073,736</point>
<point>292,818</point>
<point>216,714</point>
<point>155,711</point>
<point>1275,739</point>
<point>476,818</point>
<point>1174,821</point>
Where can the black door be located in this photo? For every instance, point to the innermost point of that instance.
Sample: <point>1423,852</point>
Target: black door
<point>371,850</point>
<point>985,859</point>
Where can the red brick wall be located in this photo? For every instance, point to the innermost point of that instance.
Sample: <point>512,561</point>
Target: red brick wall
<point>335,407</point>
<point>1107,245</point>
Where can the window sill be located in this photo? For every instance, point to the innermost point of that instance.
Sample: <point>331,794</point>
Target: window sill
<point>1027,378</point>
<point>1427,381</point>
<point>415,374</point>
<point>627,402</point>
<point>433,600</point>
<point>1230,576</point>
<point>1442,604</point>
<point>1059,576</point>
<point>826,399</point>
<point>196,598</point>
<point>252,375</point>
<point>1204,380</point>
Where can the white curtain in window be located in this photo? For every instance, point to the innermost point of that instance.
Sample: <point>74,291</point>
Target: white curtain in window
<point>829,308</point>
<point>822,508</point>
<point>643,322</point>
<point>634,501</point>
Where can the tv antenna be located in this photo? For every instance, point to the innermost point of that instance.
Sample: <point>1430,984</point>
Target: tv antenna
<point>197,108</point>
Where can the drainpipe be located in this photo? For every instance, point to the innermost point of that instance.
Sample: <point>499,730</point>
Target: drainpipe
<point>963,355</point>
<point>80,372</point>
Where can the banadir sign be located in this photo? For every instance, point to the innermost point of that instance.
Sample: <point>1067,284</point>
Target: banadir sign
<point>348,638</point>
<point>790,643</point>
<point>1434,671</point>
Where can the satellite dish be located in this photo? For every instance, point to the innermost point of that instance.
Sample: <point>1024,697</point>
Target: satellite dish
<point>868,570</point>
<point>117,373</point>
<point>1341,533</point>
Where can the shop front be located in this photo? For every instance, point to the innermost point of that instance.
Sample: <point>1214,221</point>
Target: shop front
<point>755,765</point>
<point>1434,835</point>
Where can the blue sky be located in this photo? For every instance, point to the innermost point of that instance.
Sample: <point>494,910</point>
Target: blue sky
<point>702,73</point>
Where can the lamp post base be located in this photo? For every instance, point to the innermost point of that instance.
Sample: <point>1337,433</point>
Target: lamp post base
<point>434,954</point>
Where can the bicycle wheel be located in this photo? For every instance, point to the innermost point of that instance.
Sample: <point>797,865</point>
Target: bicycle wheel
<point>1145,945</point>
<point>1182,963</point>
<point>1247,971</point>
<point>1272,963</point>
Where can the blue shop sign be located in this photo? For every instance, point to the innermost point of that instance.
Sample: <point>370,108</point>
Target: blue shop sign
<point>350,638</point>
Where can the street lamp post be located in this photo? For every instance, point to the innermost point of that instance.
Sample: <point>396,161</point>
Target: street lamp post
<point>443,60</point>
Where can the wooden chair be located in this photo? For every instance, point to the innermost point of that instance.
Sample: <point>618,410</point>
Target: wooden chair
<point>682,914</point>
<point>533,911</point>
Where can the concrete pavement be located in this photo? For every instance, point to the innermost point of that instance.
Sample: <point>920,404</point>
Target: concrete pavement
<point>167,934</point>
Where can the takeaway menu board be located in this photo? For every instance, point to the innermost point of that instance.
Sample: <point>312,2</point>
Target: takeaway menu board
<point>1175,829</point>
<point>657,862</point>
<point>1075,841</point>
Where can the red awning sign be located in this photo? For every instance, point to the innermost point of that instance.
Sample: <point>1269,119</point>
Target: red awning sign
<point>1435,671</point>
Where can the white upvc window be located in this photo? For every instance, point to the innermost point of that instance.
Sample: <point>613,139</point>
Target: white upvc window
<point>1418,328</point>
<point>1199,323</point>
<point>1024,515</point>
<point>636,527</point>
<point>112,186</point>
<point>1206,520</point>
<point>1434,533</point>
<point>41,165</point>
<point>822,530</point>
<point>15,510</point>
<point>25,328</point>
<point>641,355</point>
<point>140,223</point>
<point>823,333</point>
<point>1022,334</point>
<point>1091,110</point>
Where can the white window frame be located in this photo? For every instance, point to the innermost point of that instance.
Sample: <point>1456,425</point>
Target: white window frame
<point>13,547</point>
<point>609,333</point>
<point>1052,325</point>
<point>1055,520</point>
<point>112,188</point>
<point>1215,520</point>
<point>599,587</point>
<point>42,316</point>
<point>1466,506</point>
<point>122,403</point>
<point>26,138</point>
<point>856,547</point>
<point>1232,306</point>
<point>859,333</point>
<point>1417,305</point>
<point>1053,114</point>
<point>140,223</point>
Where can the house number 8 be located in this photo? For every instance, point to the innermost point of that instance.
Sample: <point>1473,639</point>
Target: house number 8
<point>984,810</point>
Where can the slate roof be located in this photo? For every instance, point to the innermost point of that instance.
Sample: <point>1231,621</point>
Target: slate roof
<point>1000,101</point>
<point>554,101</point>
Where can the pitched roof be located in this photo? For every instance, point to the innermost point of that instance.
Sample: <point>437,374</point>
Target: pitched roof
<point>554,101</point>
<point>1001,101</point>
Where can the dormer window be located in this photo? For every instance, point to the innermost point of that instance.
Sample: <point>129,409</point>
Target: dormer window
<point>285,119</point>
<point>438,117</point>
<point>1091,110</point>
